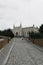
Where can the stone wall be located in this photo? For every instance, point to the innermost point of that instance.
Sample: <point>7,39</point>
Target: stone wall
<point>3,42</point>
<point>38,42</point>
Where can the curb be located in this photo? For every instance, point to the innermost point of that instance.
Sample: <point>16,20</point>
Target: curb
<point>6,59</point>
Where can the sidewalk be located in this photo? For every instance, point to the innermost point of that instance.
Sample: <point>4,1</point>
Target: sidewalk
<point>5,52</point>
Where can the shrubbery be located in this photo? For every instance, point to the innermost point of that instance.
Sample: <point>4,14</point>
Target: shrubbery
<point>7,33</point>
<point>38,35</point>
<point>41,29</point>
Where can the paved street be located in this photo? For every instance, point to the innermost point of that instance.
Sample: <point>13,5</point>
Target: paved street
<point>25,53</point>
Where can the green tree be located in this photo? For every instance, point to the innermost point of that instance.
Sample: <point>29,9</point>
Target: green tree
<point>41,29</point>
<point>7,33</point>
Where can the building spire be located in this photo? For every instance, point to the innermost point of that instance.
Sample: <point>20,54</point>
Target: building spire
<point>13,26</point>
<point>20,25</point>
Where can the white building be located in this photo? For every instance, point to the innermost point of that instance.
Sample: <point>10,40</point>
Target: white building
<point>19,31</point>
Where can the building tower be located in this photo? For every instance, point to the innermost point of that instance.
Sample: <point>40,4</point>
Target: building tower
<point>20,25</point>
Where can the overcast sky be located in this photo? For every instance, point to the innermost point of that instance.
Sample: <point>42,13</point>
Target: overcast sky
<point>14,12</point>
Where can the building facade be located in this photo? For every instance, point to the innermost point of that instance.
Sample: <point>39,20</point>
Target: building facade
<point>19,31</point>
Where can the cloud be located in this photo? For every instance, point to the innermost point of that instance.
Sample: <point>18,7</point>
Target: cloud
<point>28,12</point>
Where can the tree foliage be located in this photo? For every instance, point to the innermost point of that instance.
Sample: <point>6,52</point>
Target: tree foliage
<point>7,33</point>
<point>36,35</point>
<point>41,29</point>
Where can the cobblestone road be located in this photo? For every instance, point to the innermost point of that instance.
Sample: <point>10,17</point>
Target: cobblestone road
<point>25,53</point>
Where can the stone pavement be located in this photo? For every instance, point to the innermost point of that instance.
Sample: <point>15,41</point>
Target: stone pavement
<point>5,52</point>
<point>24,53</point>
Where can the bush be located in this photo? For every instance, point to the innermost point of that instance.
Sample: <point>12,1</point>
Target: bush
<point>36,35</point>
<point>41,29</point>
<point>7,33</point>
